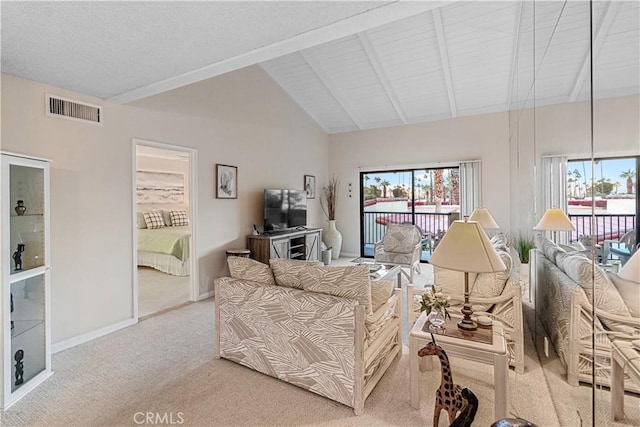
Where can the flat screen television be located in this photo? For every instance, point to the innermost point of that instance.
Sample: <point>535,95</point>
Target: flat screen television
<point>284,209</point>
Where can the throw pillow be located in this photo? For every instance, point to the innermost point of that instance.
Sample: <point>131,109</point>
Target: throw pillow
<point>381,290</point>
<point>491,285</point>
<point>629,291</point>
<point>288,272</point>
<point>179,218</point>
<point>166,216</point>
<point>140,220</point>
<point>451,283</point>
<point>348,282</point>
<point>601,291</point>
<point>249,269</point>
<point>153,219</point>
<point>500,241</point>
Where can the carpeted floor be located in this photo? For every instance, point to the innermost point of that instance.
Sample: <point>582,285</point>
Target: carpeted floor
<point>162,371</point>
<point>158,291</point>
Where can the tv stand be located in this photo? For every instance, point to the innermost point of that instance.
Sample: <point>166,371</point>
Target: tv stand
<point>303,244</point>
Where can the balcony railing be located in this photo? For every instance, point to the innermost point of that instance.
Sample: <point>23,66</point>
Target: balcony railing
<point>431,224</point>
<point>604,227</point>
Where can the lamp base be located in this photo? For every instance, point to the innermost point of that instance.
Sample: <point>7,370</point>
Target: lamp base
<point>466,324</point>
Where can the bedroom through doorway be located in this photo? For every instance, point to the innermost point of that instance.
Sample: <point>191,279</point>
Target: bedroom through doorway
<point>163,227</point>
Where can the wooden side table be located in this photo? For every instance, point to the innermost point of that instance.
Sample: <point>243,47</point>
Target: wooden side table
<point>485,346</point>
<point>622,354</point>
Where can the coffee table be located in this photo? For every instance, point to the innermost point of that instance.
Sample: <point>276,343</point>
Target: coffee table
<point>385,272</point>
<point>486,345</point>
<point>622,354</point>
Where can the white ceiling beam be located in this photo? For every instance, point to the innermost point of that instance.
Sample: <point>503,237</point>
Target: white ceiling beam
<point>514,53</point>
<point>331,87</point>
<point>611,9</point>
<point>293,94</point>
<point>374,59</point>
<point>444,58</point>
<point>383,14</point>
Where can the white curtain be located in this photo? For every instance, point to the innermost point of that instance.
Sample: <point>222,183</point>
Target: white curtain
<point>470,187</point>
<point>554,187</point>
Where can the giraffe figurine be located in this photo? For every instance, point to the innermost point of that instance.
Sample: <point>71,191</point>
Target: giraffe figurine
<point>449,395</point>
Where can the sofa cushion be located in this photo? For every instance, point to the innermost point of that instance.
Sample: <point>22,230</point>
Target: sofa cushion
<point>451,283</point>
<point>250,269</point>
<point>601,292</point>
<point>349,282</point>
<point>629,291</point>
<point>381,290</point>
<point>491,285</point>
<point>288,272</point>
<point>401,238</point>
<point>500,241</point>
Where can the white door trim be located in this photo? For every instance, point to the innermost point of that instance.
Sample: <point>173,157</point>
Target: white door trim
<point>193,209</point>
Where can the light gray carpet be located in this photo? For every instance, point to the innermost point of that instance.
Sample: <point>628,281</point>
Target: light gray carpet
<point>158,291</point>
<point>165,366</point>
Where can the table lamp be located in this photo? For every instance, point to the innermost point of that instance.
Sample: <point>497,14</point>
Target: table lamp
<point>465,247</point>
<point>483,216</point>
<point>554,219</point>
<point>631,270</point>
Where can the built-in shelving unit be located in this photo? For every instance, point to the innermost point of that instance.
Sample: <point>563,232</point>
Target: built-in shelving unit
<point>26,338</point>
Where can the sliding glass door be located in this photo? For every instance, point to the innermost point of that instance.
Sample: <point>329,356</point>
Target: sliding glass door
<point>429,198</point>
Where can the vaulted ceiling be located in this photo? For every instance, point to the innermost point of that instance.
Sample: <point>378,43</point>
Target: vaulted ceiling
<point>350,65</point>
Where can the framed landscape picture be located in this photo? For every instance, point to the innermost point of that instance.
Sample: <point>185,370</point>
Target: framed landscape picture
<point>226,182</point>
<point>310,186</point>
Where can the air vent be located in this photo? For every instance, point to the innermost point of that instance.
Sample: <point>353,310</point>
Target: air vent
<point>74,110</point>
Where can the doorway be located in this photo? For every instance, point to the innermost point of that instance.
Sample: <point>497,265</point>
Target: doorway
<point>164,185</point>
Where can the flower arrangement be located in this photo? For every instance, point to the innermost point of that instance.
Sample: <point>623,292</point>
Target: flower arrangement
<point>329,195</point>
<point>434,299</point>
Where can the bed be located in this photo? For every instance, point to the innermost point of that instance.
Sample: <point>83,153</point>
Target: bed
<point>165,249</point>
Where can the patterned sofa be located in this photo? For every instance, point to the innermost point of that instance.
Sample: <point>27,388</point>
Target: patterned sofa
<point>564,291</point>
<point>325,329</point>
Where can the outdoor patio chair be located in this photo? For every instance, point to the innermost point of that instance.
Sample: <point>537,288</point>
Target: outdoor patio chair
<point>622,248</point>
<point>401,245</point>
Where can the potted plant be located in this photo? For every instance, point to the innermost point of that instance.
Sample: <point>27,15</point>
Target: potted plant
<point>435,303</point>
<point>523,244</point>
<point>332,237</point>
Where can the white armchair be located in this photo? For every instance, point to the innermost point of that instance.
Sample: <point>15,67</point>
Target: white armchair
<point>401,245</point>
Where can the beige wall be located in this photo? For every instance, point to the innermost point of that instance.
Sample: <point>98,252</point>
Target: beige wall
<point>483,137</point>
<point>244,119</point>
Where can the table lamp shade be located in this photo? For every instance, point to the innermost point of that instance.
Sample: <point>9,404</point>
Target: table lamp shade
<point>465,247</point>
<point>554,219</point>
<point>631,270</point>
<point>483,216</point>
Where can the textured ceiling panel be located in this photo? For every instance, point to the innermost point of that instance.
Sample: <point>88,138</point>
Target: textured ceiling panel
<point>127,45</point>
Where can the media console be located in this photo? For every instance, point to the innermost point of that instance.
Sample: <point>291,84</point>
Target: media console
<point>295,244</point>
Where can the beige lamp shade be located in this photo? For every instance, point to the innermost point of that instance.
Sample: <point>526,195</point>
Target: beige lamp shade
<point>555,219</point>
<point>631,270</point>
<point>466,247</point>
<point>483,216</point>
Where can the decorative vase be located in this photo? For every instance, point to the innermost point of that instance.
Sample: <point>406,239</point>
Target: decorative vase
<point>524,273</point>
<point>333,239</point>
<point>20,208</point>
<point>435,320</point>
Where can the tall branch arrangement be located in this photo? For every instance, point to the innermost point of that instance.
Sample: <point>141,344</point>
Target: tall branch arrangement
<point>330,194</point>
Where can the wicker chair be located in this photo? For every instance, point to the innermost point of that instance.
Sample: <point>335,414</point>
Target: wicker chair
<point>401,245</point>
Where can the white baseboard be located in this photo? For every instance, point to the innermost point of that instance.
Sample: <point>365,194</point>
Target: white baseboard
<point>205,296</point>
<point>86,337</point>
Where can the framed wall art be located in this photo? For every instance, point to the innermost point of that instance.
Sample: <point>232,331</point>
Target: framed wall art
<point>226,182</point>
<point>310,186</point>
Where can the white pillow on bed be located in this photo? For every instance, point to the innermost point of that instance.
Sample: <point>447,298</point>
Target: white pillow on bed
<point>140,220</point>
<point>179,218</point>
<point>153,219</point>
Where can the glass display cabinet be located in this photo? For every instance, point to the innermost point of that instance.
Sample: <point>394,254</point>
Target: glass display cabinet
<point>26,338</point>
